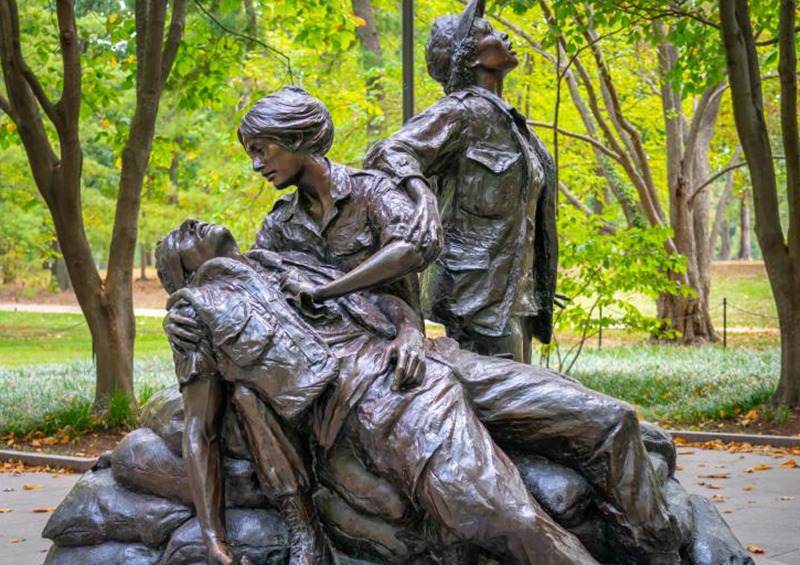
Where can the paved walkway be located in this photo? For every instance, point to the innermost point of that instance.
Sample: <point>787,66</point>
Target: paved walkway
<point>762,507</point>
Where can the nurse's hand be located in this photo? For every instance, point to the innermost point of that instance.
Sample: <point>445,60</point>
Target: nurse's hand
<point>408,349</point>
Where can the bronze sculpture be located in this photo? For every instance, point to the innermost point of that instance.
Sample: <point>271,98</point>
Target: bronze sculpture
<point>426,440</point>
<point>297,338</point>
<point>493,284</point>
<point>539,413</point>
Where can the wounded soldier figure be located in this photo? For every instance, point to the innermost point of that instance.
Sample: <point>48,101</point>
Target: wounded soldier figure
<point>323,369</point>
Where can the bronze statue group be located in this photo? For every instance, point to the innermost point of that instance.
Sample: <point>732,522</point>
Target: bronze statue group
<point>314,338</point>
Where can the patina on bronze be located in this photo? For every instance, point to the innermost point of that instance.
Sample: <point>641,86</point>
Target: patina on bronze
<point>533,410</point>
<point>326,370</point>
<point>493,285</point>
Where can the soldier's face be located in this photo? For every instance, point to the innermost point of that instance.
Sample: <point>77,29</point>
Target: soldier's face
<point>200,242</point>
<point>494,50</point>
<point>278,165</point>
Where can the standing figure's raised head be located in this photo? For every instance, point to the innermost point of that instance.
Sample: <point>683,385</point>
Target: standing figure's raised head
<point>459,46</point>
<point>283,131</point>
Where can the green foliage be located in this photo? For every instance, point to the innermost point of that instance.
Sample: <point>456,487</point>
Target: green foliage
<point>680,386</point>
<point>50,398</point>
<point>600,273</point>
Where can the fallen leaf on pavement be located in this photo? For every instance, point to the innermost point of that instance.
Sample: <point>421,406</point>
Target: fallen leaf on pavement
<point>713,486</point>
<point>685,452</point>
<point>790,464</point>
<point>755,549</point>
<point>32,487</point>
<point>762,467</point>
<point>5,510</point>
<point>716,497</point>
<point>749,488</point>
<point>42,510</point>
<point>716,476</point>
<point>15,540</point>
<point>786,498</point>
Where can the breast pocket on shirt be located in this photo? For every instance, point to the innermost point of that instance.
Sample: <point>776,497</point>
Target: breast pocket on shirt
<point>490,180</point>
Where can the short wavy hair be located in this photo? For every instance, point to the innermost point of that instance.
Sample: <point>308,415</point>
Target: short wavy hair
<point>291,118</point>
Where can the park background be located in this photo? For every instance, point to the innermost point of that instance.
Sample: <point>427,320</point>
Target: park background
<point>670,307</point>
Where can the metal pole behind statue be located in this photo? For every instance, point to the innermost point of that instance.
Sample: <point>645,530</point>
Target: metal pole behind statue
<point>408,59</point>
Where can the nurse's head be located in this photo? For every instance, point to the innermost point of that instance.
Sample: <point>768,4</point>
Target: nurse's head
<point>283,132</point>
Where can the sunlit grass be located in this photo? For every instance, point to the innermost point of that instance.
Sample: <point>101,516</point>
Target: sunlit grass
<point>48,398</point>
<point>32,338</point>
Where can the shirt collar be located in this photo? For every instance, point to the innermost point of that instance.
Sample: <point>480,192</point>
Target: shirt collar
<point>341,186</point>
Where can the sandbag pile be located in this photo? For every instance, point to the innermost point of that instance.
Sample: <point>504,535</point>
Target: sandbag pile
<point>135,506</point>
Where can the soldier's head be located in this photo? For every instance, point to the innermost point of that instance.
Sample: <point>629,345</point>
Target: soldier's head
<point>283,130</point>
<point>459,46</point>
<point>184,250</point>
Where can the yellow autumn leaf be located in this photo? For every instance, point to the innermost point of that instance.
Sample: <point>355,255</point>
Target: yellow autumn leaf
<point>360,21</point>
<point>762,467</point>
<point>105,124</point>
<point>32,487</point>
<point>113,18</point>
<point>43,510</point>
<point>790,464</point>
<point>10,127</point>
<point>755,549</point>
<point>5,510</point>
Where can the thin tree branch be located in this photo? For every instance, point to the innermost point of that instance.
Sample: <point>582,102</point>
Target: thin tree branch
<point>41,96</point>
<point>576,202</point>
<point>69,105</point>
<point>276,52</point>
<point>774,40</point>
<point>718,174</point>
<point>176,26</point>
<point>5,106</point>
<point>596,143</point>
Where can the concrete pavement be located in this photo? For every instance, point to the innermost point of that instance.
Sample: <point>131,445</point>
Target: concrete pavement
<point>761,506</point>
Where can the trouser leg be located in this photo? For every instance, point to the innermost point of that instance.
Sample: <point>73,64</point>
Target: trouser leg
<point>510,345</point>
<point>284,475</point>
<point>539,411</point>
<point>479,497</point>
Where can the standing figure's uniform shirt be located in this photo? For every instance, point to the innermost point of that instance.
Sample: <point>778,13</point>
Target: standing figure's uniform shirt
<point>496,188</point>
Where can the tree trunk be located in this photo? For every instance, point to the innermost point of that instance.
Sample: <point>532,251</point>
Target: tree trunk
<point>688,168</point>
<point>59,270</point>
<point>781,252</point>
<point>106,305</point>
<point>372,59</point>
<point>744,228</point>
<point>719,214</point>
<point>725,247</point>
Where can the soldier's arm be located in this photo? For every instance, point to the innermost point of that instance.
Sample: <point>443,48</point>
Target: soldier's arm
<point>426,145</point>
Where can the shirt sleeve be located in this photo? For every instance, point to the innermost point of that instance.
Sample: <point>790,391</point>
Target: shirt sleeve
<point>425,144</point>
<point>195,365</point>
<point>391,211</point>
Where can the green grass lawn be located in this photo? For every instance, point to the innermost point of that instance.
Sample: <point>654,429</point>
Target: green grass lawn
<point>28,338</point>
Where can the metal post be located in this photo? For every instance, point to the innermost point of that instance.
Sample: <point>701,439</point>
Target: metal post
<point>408,60</point>
<point>600,334</point>
<point>724,322</point>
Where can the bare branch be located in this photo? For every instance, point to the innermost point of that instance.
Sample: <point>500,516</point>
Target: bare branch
<point>596,143</point>
<point>774,40</point>
<point>5,106</point>
<point>721,172</point>
<point>176,26</point>
<point>39,93</point>
<point>69,106</point>
<point>576,202</point>
<point>276,52</point>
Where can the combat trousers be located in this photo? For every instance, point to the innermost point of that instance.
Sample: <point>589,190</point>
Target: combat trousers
<point>539,411</point>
